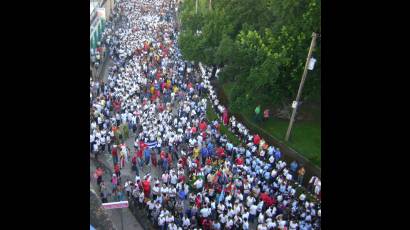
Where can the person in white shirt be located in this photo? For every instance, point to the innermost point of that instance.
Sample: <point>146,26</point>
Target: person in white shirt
<point>252,212</point>
<point>245,224</point>
<point>169,219</point>
<point>261,218</point>
<point>186,222</point>
<point>198,183</point>
<point>250,200</point>
<point>260,206</point>
<point>262,227</point>
<point>229,224</point>
<point>293,225</point>
<point>161,221</point>
<point>174,179</point>
<point>164,189</point>
<point>281,224</point>
<point>223,218</point>
<point>221,208</point>
<point>302,197</point>
<point>205,212</point>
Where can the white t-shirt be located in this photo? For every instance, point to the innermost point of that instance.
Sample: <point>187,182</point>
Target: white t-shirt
<point>229,224</point>
<point>282,224</point>
<point>261,227</point>
<point>293,226</point>
<point>161,220</point>
<point>261,218</point>
<point>222,218</point>
<point>245,225</point>
<point>252,209</point>
<point>198,183</point>
<point>186,222</point>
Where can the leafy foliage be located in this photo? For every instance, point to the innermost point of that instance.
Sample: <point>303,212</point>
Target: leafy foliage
<point>262,45</point>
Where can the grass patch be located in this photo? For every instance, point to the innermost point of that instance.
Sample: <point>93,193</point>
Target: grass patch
<point>211,116</point>
<point>305,137</point>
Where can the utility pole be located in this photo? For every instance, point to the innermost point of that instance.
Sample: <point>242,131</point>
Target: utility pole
<point>302,82</point>
<point>196,7</point>
<point>210,5</point>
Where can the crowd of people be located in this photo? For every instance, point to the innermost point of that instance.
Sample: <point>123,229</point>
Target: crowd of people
<point>187,174</point>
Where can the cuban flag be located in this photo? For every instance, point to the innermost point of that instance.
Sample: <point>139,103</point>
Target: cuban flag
<point>152,144</point>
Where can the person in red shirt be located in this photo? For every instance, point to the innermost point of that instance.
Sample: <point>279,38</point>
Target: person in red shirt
<point>239,161</point>
<point>206,224</point>
<point>154,158</point>
<point>225,116</point>
<point>220,152</point>
<point>169,160</point>
<point>134,163</point>
<point>198,201</point>
<point>146,184</point>
<point>193,130</point>
<point>117,170</point>
<point>202,126</point>
<point>181,178</point>
<point>269,201</point>
<point>204,136</point>
<point>114,154</point>
<point>143,145</point>
<point>256,139</point>
<point>98,173</point>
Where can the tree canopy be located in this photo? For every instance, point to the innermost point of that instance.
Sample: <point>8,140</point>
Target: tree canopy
<point>262,45</point>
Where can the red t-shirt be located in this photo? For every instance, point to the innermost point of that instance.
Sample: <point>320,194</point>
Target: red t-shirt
<point>220,152</point>
<point>139,153</point>
<point>239,161</point>
<point>256,139</point>
<point>114,152</point>
<point>116,168</point>
<point>202,126</point>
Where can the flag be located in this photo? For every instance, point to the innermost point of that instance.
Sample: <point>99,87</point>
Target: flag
<point>152,144</point>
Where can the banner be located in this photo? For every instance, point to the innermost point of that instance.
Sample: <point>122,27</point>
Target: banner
<point>152,144</point>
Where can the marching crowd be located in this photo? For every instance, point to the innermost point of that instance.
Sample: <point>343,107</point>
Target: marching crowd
<point>204,180</point>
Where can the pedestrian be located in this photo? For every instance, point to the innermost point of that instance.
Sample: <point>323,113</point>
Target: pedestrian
<point>257,113</point>
<point>293,168</point>
<point>114,183</point>
<point>99,173</point>
<point>134,163</point>
<point>266,114</point>
<point>114,154</point>
<point>117,170</point>
<point>147,155</point>
<point>301,174</point>
<point>154,158</point>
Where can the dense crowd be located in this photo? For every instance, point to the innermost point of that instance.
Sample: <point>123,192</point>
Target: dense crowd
<point>187,174</point>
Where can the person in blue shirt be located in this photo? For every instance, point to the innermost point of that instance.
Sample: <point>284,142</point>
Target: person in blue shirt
<point>210,149</point>
<point>278,154</point>
<point>267,176</point>
<point>147,155</point>
<point>165,164</point>
<point>204,154</point>
<point>181,194</point>
<point>293,168</point>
